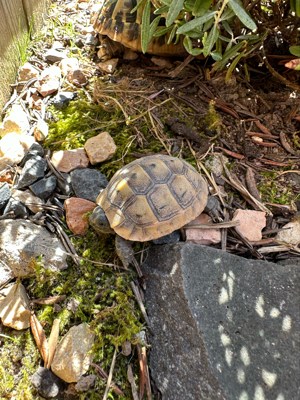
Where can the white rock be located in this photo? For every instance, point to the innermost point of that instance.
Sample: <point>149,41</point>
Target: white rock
<point>28,71</point>
<point>49,80</point>
<point>26,197</point>
<point>100,148</point>
<point>109,66</point>
<point>22,242</point>
<point>88,29</point>
<point>71,359</point>
<point>292,235</point>
<point>15,121</point>
<point>13,147</point>
<point>67,64</point>
<point>215,165</point>
<point>41,130</point>
<point>14,309</point>
<point>53,55</point>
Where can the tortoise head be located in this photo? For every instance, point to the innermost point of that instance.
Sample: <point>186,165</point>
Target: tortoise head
<point>99,221</point>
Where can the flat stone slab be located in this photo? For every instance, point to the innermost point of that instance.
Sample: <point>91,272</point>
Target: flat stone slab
<point>22,242</point>
<point>224,327</point>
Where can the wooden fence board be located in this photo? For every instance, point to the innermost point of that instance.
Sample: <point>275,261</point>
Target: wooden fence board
<point>15,17</point>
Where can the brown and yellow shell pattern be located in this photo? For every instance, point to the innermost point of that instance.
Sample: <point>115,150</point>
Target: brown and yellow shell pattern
<point>153,196</point>
<point>117,22</point>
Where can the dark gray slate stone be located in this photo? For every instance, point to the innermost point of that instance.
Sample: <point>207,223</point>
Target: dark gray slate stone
<point>173,237</point>
<point>224,327</point>
<point>44,187</point>
<point>34,150</point>
<point>4,194</point>
<point>290,261</point>
<point>46,383</point>
<point>17,207</point>
<point>33,170</point>
<point>66,185</point>
<point>63,99</point>
<point>87,183</point>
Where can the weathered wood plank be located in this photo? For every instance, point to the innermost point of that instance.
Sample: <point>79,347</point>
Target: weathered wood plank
<point>15,17</point>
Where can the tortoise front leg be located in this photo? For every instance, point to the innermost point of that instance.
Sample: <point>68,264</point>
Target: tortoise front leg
<point>125,253</point>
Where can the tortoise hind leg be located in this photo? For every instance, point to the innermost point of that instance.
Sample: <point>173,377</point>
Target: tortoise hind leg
<point>125,253</point>
<point>109,48</point>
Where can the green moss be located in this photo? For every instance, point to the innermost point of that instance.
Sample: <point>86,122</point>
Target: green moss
<point>271,192</point>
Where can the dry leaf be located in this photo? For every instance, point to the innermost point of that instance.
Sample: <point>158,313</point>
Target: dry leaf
<point>132,383</point>
<point>39,336</point>
<point>53,338</point>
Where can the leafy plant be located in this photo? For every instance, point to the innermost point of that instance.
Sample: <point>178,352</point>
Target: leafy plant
<point>22,41</point>
<point>227,30</point>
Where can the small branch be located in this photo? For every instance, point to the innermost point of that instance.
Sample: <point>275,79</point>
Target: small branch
<point>110,375</point>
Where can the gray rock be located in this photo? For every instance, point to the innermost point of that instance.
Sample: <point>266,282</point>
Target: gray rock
<point>34,150</point>
<point>63,99</point>
<point>79,43</point>
<point>53,55</point>
<point>87,183</point>
<point>4,194</point>
<point>170,238</point>
<point>46,383</point>
<point>44,187</point>
<point>33,170</point>
<point>22,242</point>
<point>224,327</point>
<point>66,185</point>
<point>290,261</point>
<point>17,207</point>
<point>91,40</point>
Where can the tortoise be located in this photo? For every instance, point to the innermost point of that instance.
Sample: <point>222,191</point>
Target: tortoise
<point>149,198</point>
<point>116,22</point>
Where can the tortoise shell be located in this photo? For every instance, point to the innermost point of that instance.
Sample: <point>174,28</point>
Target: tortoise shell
<point>120,25</point>
<point>153,196</point>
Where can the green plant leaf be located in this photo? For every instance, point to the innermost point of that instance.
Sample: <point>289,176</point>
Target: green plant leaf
<point>239,10</point>
<point>211,40</point>
<point>233,65</point>
<point>161,10</point>
<point>227,28</point>
<point>162,30</point>
<point>172,34</point>
<point>145,37</point>
<point>195,34</point>
<point>194,23</point>
<point>201,6</point>
<point>216,56</point>
<point>175,8</point>
<point>227,14</point>
<point>208,24</point>
<point>153,26</point>
<point>137,6</point>
<point>228,54</point>
<point>187,44</point>
<point>189,47</point>
<point>295,50</point>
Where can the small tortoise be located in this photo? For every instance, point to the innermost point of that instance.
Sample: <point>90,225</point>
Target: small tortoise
<point>117,22</point>
<point>147,199</point>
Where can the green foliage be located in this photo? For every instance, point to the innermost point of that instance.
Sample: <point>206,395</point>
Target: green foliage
<point>206,25</point>
<point>22,41</point>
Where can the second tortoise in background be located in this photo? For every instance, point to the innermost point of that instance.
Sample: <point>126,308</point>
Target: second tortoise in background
<point>124,29</point>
